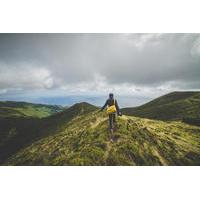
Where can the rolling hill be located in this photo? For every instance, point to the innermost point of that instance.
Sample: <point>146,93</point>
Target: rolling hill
<point>24,109</point>
<point>173,106</point>
<point>79,136</point>
<point>18,132</point>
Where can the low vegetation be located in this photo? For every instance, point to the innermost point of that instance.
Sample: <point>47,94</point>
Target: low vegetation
<point>85,141</point>
<point>173,106</point>
<point>23,109</point>
<point>79,135</point>
<point>19,132</point>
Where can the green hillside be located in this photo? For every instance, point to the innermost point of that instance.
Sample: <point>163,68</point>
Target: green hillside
<point>83,139</point>
<point>173,106</point>
<point>24,109</point>
<point>18,132</point>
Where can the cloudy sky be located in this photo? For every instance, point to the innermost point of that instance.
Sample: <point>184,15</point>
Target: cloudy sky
<point>68,68</point>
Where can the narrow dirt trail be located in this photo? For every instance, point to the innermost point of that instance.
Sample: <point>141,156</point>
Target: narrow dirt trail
<point>108,149</point>
<point>97,122</point>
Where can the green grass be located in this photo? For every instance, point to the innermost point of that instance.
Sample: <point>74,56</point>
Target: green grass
<point>173,106</point>
<point>19,132</point>
<point>84,140</point>
<point>23,109</point>
<point>79,135</point>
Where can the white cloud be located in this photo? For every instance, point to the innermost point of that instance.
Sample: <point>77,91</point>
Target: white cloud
<point>195,50</point>
<point>99,86</point>
<point>126,64</point>
<point>25,76</point>
<point>3,91</point>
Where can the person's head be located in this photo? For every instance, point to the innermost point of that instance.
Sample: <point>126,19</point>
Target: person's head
<point>111,95</point>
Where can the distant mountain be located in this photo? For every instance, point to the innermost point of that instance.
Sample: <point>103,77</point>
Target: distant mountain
<point>173,106</point>
<point>18,132</point>
<point>24,109</point>
<point>79,136</point>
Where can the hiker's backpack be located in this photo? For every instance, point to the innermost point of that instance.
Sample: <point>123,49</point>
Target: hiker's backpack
<point>111,109</point>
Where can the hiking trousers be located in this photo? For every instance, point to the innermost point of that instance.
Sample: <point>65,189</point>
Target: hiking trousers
<point>112,120</point>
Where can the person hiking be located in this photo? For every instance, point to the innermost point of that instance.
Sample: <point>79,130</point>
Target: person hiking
<point>112,110</point>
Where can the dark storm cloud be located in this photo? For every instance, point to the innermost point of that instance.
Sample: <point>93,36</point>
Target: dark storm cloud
<point>153,59</point>
<point>56,60</point>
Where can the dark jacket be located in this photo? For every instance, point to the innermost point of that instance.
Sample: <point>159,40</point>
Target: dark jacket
<point>110,102</point>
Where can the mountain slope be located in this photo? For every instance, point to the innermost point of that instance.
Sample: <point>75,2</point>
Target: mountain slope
<point>18,132</point>
<point>84,140</point>
<point>173,106</point>
<point>24,109</point>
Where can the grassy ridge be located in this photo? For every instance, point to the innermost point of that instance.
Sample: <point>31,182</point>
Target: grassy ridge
<point>23,109</point>
<point>173,106</point>
<point>79,136</point>
<point>85,141</point>
<point>17,133</point>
